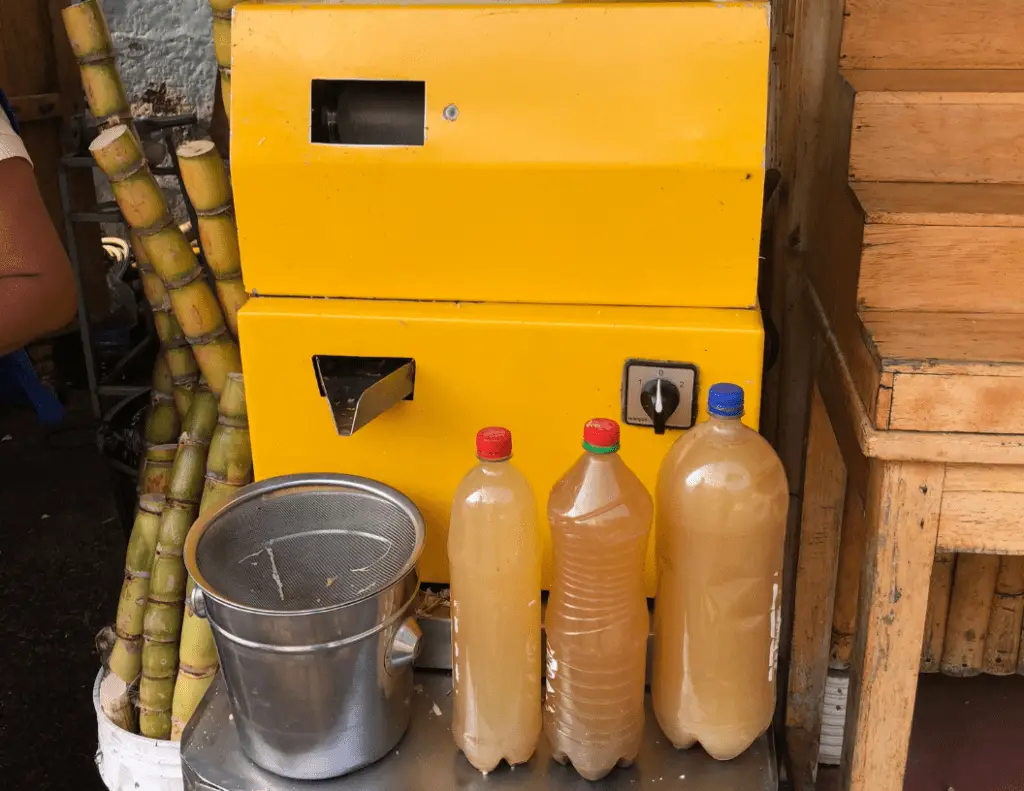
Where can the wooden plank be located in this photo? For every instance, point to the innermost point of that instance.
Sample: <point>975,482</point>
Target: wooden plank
<point>824,488</point>
<point>984,478</point>
<point>922,268</point>
<point>938,343</point>
<point>982,522</point>
<point>939,590</point>
<point>801,758</point>
<point>938,137</point>
<point>983,404</point>
<point>1002,641</point>
<point>40,106</point>
<point>933,34</point>
<point>851,559</point>
<point>900,203</point>
<point>974,584</point>
<point>897,86</point>
<point>902,521</point>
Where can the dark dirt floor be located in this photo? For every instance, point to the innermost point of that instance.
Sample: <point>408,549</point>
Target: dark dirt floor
<point>61,555</point>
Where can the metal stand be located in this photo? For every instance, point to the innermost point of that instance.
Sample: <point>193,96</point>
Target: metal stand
<point>427,759</point>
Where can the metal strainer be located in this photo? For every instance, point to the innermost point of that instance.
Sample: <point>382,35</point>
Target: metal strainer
<point>304,543</point>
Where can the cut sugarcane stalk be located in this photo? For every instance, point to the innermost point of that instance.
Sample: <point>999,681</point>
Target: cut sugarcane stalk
<point>206,182</point>
<point>91,43</point>
<point>974,583</point>
<point>119,155</point>
<point>126,657</point>
<point>1002,642</point>
<point>164,607</point>
<point>938,611</point>
<point>228,468</point>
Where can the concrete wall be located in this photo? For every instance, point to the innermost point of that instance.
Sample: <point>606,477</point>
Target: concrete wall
<point>165,54</point>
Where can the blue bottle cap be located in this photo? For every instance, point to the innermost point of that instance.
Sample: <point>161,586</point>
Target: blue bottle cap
<point>725,400</point>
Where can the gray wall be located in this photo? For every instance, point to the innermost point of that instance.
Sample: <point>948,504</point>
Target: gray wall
<point>165,54</point>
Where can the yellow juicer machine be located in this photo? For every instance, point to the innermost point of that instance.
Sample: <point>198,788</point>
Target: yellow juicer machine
<point>529,214</point>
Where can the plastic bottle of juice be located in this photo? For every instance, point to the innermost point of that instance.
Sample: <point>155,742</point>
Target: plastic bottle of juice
<point>494,554</point>
<point>597,622</point>
<point>722,500</point>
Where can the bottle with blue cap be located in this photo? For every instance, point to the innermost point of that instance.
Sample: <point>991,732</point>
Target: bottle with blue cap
<point>721,506</point>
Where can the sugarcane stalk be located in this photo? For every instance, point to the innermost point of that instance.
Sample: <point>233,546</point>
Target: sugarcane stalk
<point>163,615</point>
<point>225,90</point>
<point>94,49</point>
<point>1002,642</point>
<point>162,422</point>
<point>938,611</point>
<point>974,583</point>
<point>119,155</point>
<point>176,350</point>
<point>222,38</point>
<point>156,470</point>
<point>126,657</point>
<point>206,182</point>
<point>228,468</point>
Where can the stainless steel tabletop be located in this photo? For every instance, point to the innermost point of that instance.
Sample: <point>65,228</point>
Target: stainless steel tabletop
<point>427,759</point>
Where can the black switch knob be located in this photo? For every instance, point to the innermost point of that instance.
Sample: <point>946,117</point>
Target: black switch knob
<point>659,399</point>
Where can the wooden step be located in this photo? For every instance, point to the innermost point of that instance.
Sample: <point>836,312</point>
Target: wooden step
<point>933,34</point>
<point>952,372</point>
<point>937,126</point>
<point>942,247</point>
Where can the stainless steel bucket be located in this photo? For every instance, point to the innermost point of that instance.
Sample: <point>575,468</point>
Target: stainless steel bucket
<point>308,582</point>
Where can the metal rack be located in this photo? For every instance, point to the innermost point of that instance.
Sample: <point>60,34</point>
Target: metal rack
<point>106,212</point>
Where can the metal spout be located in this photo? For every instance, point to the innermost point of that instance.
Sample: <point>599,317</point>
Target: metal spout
<point>362,388</point>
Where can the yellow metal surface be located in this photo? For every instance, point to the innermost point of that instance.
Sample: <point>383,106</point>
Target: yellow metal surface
<point>603,153</point>
<point>541,370</point>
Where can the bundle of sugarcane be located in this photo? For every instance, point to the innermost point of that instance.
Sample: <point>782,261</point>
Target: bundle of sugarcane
<point>228,468</point>
<point>119,155</point>
<point>206,182</point>
<point>175,348</point>
<point>125,661</point>
<point>90,41</point>
<point>166,595</point>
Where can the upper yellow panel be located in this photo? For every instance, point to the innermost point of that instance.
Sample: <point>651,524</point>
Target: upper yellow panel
<point>598,153</point>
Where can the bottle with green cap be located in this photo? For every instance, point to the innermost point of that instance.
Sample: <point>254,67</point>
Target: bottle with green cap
<point>722,498</point>
<point>596,621</point>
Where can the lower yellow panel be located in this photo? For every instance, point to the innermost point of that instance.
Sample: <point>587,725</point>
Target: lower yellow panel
<point>541,370</point>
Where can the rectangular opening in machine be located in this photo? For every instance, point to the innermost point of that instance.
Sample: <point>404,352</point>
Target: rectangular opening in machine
<point>368,112</point>
<point>360,389</point>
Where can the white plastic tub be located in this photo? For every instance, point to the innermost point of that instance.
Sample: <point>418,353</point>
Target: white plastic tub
<point>129,762</point>
<point>833,717</point>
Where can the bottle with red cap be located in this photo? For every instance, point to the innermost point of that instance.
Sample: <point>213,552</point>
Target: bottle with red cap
<point>722,501</point>
<point>597,621</point>
<point>495,558</point>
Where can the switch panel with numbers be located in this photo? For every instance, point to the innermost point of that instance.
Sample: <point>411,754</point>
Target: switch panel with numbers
<point>660,394</point>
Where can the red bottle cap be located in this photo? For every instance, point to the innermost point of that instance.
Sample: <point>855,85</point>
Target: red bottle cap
<point>494,444</point>
<point>601,435</point>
